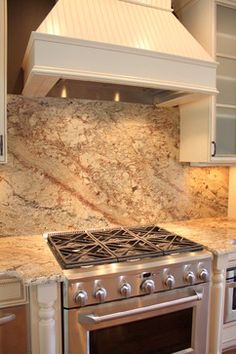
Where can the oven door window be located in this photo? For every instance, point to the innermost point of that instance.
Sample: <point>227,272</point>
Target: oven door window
<point>164,334</point>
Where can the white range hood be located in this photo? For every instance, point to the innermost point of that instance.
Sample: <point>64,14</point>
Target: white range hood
<point>127,42</point>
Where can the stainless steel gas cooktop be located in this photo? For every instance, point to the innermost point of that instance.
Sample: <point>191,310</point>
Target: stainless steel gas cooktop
<point>86,248</point>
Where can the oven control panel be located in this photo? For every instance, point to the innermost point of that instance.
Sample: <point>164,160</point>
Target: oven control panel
<point>138,279</point>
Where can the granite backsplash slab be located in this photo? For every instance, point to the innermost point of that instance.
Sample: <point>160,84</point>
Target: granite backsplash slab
<point>75,164</point>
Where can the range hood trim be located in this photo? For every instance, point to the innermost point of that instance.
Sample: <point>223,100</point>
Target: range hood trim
<point>112,47</point>
<point>43,70</point>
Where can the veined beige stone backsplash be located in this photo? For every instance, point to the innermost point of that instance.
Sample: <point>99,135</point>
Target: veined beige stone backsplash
<point>76,164</point>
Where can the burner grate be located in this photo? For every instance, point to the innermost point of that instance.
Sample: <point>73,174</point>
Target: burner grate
<point>83,248</point>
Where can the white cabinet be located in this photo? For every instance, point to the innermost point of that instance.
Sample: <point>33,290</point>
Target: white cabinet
<point>3,74</point>
<point>208,127</point>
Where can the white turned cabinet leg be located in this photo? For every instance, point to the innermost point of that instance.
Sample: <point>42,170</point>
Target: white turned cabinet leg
<point>47,296</point>
<point>217,305</point>
<point>45,313</point>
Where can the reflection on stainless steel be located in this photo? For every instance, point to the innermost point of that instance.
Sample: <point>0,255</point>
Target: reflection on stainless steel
<point>93,318</point>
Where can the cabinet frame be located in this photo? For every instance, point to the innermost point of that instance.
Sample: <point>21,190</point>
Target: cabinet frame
<point>3,81</point>
<point>198,119</point>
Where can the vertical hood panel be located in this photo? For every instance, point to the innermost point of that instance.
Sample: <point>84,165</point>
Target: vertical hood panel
<point>128,42</point>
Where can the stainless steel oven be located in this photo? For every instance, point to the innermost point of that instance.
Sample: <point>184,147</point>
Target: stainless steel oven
<point>168,322</point>
<point>138,290</point>
<point>230,296</point>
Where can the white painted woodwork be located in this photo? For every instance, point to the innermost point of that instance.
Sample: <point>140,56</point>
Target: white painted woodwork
<point>229,335</point>
<point>85,61</point>
<point>3,74</point>
<point>12,291</point>
<point>140,46</point>
<point>217,34</point>
<point>229,329</point>
<point>232,193</point>
<point>230,3</point>
<point>195,131</point>
<point>199,18</point>
<point>45,313</point>
<point>217,304</point>
<point>159,4</point>
<point>132,26</point>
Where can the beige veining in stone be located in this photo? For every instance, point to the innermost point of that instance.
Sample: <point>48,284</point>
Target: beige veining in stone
<point>215,234</point>
<point>30,258</point>
<point>77,164</point>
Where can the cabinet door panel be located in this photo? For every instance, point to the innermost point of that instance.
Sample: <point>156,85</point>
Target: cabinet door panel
<point>227,91</point>
<point>3,58</point>
<point>226,131</point>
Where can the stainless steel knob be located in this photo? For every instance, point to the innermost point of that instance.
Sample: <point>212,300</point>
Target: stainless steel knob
<point>81,297</point>
<point>203,274</point>
<point>170,281</point>
<point>190,277</point>
<point>148,286</point>
<point>101,294</point>
<point>125,290</point>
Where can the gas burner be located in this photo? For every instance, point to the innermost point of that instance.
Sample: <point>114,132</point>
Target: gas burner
<point>92,247</point>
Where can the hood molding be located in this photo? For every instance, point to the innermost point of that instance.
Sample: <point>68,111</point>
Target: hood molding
<point>52,56</point>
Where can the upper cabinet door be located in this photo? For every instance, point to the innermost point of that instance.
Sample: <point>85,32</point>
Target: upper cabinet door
<point>3,74</point>
<point>208,127</point>
<point>226,82</point>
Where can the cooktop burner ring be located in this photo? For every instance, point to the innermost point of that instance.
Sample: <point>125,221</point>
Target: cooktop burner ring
<point>92,247</point>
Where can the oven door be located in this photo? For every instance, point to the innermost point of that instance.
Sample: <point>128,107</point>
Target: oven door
<point>169,322</point>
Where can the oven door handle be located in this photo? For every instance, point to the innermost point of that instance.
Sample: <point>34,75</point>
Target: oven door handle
<point>93,318</point>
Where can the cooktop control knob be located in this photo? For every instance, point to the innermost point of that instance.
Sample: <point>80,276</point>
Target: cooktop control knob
<point>203,275</point>
<point>101,294</point>
<point>170,281</point>
<point>190,277</point>
<point>81,297</point>
<point>125,290</point>
<point>148,286</point>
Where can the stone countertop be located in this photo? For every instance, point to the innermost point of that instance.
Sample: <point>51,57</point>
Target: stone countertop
<point>215,234</point>
<point>29,258</point>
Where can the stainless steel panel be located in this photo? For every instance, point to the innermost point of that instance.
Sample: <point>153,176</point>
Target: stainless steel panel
<point>113,276</point>
<point>76,334</point>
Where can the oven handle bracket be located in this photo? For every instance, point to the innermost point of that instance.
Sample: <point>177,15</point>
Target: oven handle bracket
<point>93,318</point>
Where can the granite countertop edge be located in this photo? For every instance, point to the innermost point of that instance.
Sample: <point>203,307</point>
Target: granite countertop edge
<point>30,258</point>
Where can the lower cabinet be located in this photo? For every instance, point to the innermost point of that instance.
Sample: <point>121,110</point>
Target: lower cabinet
<point>3,79</point>
<point>14,319</point>
<point>222,336</point>
<point>229,337</point>
<point>45,318</point>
